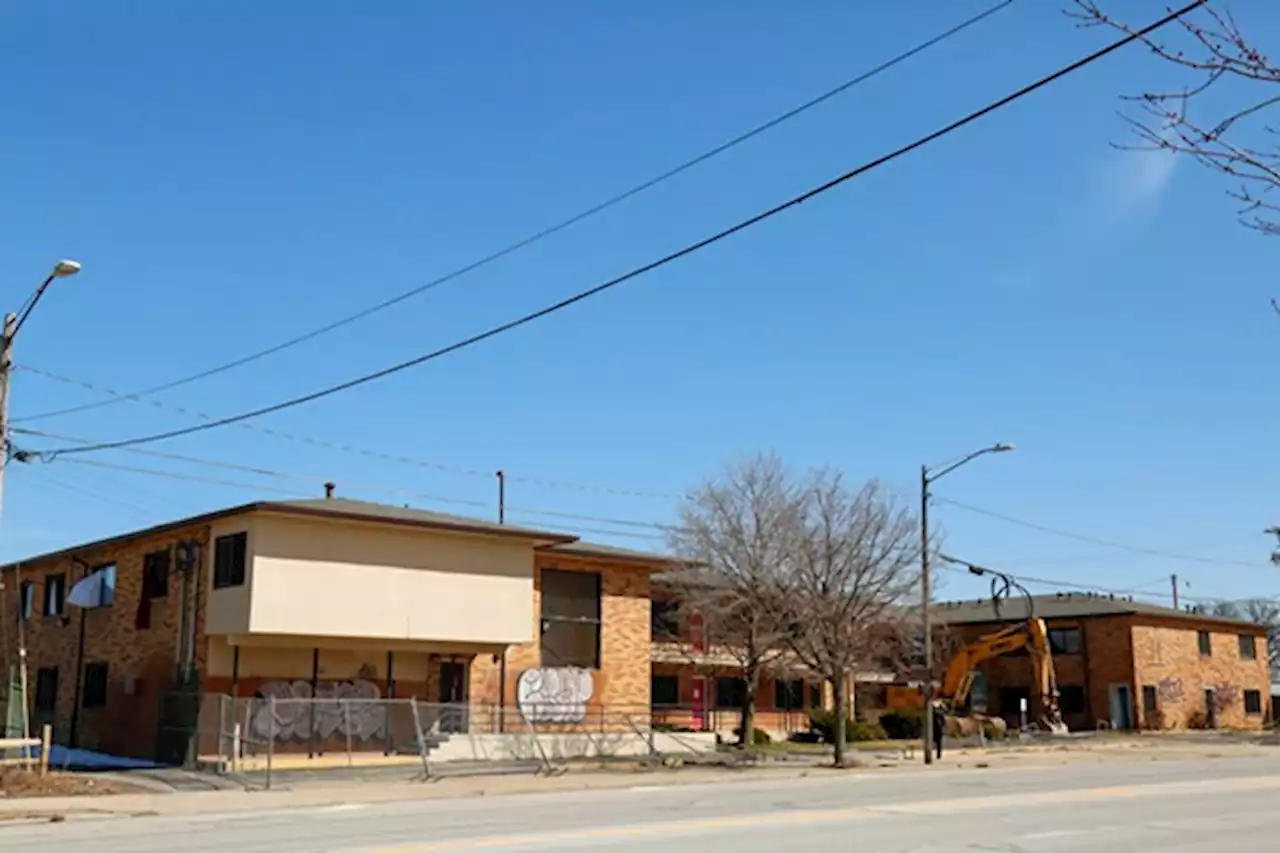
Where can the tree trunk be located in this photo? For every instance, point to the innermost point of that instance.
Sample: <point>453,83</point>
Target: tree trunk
<point>841,697</point>
<point>748,721</point>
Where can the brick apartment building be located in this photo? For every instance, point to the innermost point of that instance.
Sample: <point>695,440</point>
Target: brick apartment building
<point>1125,664</point>
<point>323,597</point>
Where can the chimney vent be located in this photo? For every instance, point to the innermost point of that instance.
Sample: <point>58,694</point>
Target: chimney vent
<point>328,490</point>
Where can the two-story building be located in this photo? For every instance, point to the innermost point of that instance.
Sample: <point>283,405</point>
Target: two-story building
<point>1124,664</point>
<point>293,600</point>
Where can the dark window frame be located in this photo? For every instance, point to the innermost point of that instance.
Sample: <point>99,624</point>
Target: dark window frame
<point>673,694</point>
<point>94,692</point>
<point>565,611</point>
<point>1248,645</point>
<point>26,600</point>
<point>46,698</point>
<point>1062,640</point>
<point>155,573</point>
<point>1254,708</point>
<point>55,605</point>
<point>789,695</point>
<point>1204,641</point>
<point>1150,699</point>
<point>664,620</point>
<point>230,556</point>
<point>736,696</point>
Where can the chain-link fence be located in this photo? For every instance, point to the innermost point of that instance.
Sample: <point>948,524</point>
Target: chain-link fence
<point>266,737</point>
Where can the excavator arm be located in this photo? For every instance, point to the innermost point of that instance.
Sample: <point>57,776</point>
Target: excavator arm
<point>1031,635</point>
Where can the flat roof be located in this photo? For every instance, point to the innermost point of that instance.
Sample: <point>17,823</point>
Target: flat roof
<point>1065,605</point>
<point>335,508</point>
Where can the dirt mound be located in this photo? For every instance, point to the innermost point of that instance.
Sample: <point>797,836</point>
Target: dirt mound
<point>17,782</point>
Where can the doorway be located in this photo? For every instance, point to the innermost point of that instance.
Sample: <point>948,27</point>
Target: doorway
<point>1121,707</point>
<point>453,697</point>
<point>698,699</point>
<point>1210,708</point>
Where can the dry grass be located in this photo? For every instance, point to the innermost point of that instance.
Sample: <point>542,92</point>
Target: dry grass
<point>18,782</point>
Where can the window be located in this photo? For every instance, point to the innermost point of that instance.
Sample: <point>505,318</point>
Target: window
<point>730,693</point>
<point>1206,643</point>
<point>788,695</point>
<point>46,688</point>
<point>228,560</point>
<point>1150,704</point>
<point>815,695</point>
<point>95,686</point>
<point>155,574</point>
<point>664,690</point>
<point>26,600</point>
<point>1064,641</point>
<point>1253,702</point>
<point>106,573</point>
<point>1071,698</point>
<point>664,620</point>
<point>570,618</point>
<point>1248,647</point>
<point>55,594</point>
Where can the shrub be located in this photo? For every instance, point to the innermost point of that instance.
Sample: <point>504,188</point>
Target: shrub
<point>906,724</point>
<point>822,723</point>
<point>759,737</point>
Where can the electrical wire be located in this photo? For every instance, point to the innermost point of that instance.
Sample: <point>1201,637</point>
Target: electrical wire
<point>1066,534</point>
<point>331,445</point>
<point>690,249</point>
<point>553,229</point>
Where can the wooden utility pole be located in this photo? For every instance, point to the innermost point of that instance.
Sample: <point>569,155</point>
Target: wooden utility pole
<point>1173,579</point>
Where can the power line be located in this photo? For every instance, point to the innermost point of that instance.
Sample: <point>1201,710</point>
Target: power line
<point>551,230</point>
<point>1066,534</point>
<point>652,265</point>
<point>329,445</point>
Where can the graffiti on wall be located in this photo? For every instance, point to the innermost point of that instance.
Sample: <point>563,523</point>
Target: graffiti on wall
<point>1169,689</point>
<point>554,694</point>
<point>1225,696</point>
<point>349,708</point>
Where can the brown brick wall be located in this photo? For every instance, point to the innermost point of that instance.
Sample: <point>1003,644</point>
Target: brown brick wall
<point>141,663</point>
<point>622,681</point>
<point>1167,657</point>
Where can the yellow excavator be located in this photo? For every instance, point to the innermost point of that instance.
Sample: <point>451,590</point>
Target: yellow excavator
<point>1031,635</point>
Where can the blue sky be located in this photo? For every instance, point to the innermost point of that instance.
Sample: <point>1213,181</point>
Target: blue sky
<point>234,174</point>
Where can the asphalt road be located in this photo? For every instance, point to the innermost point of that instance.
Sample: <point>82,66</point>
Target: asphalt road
<point>1181,807</point>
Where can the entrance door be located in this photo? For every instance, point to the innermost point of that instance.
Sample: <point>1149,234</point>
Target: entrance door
<point>698,697</point>
<point>1121,707</point>
<point>1210,708</point>
<point>453,697</point>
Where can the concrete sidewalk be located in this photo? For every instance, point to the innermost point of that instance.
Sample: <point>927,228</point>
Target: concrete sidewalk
<point>317,794</point>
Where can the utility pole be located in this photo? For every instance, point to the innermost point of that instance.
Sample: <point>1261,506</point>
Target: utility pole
<point>1173,579</point>
<point>502,497</point>
<point>927,477</point>
<point>6,370</point>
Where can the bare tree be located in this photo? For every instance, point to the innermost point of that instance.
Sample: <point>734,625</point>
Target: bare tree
<point>740,529</point>
<point>1228,78</point>
<point>853,570</point>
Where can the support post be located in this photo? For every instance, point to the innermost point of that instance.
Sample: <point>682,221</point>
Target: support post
<point>926,594</point>
<point>311,707</point>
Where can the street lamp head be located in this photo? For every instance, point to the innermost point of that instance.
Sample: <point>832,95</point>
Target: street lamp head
<point>1003,448</point>
<point>65,267</point>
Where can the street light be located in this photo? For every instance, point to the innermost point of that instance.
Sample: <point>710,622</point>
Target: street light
<point>927,478</point>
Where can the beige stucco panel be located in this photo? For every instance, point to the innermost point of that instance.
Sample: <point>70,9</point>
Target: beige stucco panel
<point>228,609</point>
<point>348,579</point>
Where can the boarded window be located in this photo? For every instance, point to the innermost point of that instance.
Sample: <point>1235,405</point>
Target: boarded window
<point>1248,647</point>
<point>570,618</point>
<point>46,688</point>
<point>730,692</point>
<point>1205,642</point>
<point>1071,698</point>
<point>95,686</point>
<point>1253,702</point>
<point>229,554</point>
<point>1150,701</point>
<point>664,690</point>
<point>155,574</point>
